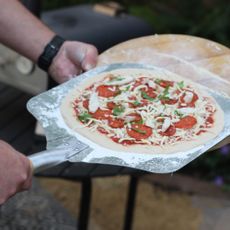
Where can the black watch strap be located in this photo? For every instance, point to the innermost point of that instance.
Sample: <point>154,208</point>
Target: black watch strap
<point>50,51</point>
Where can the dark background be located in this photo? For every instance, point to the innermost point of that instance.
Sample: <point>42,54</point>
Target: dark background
<point>205,18</point>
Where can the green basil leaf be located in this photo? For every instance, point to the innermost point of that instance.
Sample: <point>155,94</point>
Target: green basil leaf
<point>84,117</point>
<point>165,94</point>
<point>176,112</point>
<point>164,97</point>
<point>146,96</point>
<point>136,103</point>
<point>180,84</point>
<point>118,110</point>
<point>117,79</point>
<point>158,81</point>
<point>139,131</point>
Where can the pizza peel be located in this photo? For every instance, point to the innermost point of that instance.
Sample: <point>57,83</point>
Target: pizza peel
<point>64,144</point>
<point>49,158</point>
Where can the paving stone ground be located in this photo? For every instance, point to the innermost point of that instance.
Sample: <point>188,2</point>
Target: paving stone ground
<point>39,210</point>
<point>215,212</point>
<point>35,210</point>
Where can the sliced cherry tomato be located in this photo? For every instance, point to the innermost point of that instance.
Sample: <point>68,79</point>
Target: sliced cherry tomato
<point>186,122</point>
<point>209,120</point>
<point>169,132</point>
<point>138,82</point>
<point>200,132</point>
<point>165,83</point>
<point>102,130</point>
<point>139,131</point>
<point>102,114</point>
<point>149,92</point>
<point>169,101</point>
<point>124,142</point>
<point>144,102</point>
<point>132,105</point>
<point>127,142</point>
<point>132,98</point>
<point>190,104</point>
<point>177,92</point>
<point>85,103</point>
<point>107,91</point>
<point>116,123</point>
<point>111,105</point>
<point>115,139</point>
<point>136,117</point>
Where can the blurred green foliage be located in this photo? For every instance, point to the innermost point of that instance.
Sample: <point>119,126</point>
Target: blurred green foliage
<point>211,165</point>
<point>205,18</point>
<point>208,19</point>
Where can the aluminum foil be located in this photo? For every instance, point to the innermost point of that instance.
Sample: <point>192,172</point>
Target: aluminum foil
<point>46,109</point>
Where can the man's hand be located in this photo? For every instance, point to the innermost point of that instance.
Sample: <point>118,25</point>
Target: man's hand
<point>72,59</point>
<point>15,172</point>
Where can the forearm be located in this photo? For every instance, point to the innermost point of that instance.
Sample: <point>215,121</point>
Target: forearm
<point>22,31</point>
<point>27,35</point>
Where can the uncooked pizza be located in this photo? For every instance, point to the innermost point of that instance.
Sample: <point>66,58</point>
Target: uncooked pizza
<point>142,111</point>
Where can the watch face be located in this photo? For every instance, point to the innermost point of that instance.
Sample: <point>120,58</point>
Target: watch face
<point>24,65</point>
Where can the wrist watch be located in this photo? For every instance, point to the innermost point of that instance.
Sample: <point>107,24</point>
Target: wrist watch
<point>50,51</point>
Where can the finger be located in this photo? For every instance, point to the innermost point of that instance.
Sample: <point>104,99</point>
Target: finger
<point>84,55</point>
<point>63,70</point>
<point>3,199</point>
<point>27,184</point>
<point>25,179</point>
<point>90,60</point>
<point>76,52</point>
<point>70,73</point>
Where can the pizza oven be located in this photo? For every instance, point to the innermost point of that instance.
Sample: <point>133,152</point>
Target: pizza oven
<point>86,23</point>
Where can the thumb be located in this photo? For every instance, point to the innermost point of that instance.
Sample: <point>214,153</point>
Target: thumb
<point>28,171</point>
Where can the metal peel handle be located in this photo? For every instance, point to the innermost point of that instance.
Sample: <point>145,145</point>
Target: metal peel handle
<point>46,159</point>
<point>52,157</point>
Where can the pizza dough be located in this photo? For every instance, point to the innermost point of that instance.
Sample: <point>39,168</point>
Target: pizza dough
<point>171,116</point>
